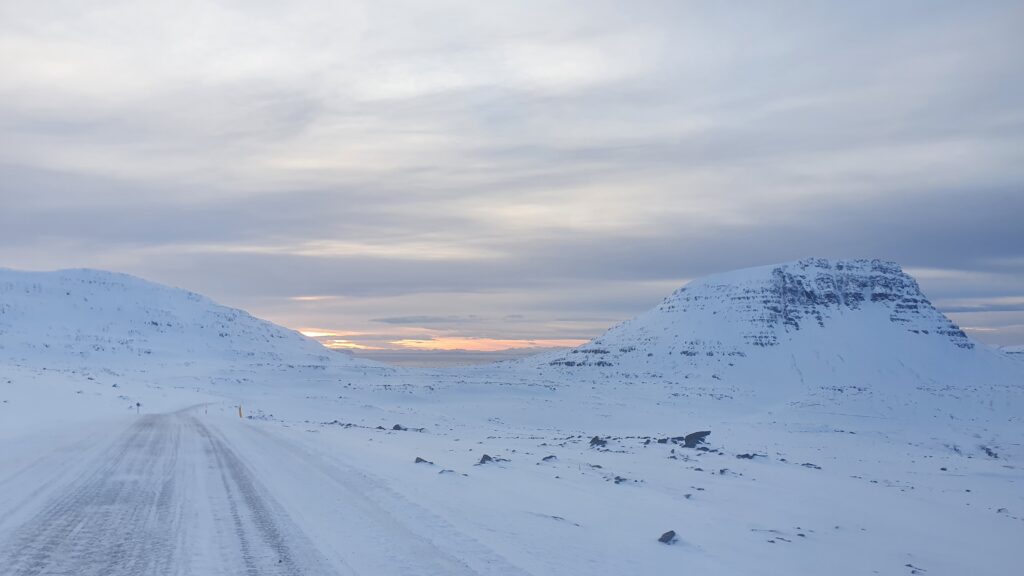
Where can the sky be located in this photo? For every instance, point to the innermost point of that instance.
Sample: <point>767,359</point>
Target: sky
<point>508,176</point>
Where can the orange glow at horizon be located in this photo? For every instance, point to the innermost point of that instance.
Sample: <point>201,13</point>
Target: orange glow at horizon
<point>315,333</point>
<point>483,344</point>
<point>336,340</point>
<point>349,340</point>
<point>325,333</point>
<point>340,344</point>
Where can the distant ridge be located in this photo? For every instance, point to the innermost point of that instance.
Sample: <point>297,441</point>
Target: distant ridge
<point>82,317</point>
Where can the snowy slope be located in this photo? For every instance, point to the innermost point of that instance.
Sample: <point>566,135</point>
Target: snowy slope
<point>129,340</point>
<point>91,317</point>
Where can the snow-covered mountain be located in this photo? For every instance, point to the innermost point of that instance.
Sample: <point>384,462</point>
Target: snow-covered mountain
<point>812,332</point>
<point>91,318</point>
<point>1013,351</point>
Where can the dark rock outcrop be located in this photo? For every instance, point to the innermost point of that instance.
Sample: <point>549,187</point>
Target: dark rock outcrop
<point>693,439</point>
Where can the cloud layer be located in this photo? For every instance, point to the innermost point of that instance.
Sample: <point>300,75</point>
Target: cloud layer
<point>519,171</point>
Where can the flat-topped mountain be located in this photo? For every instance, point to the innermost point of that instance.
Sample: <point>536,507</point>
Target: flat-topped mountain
<point>810,331</point>
<point>768,306</point>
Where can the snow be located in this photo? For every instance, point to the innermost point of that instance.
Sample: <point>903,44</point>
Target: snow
<point>1013,351</point>
<point>96,318</point>
<point>880,438</point>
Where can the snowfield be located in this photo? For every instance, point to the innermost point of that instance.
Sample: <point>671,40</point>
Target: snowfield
<point>853,430</point>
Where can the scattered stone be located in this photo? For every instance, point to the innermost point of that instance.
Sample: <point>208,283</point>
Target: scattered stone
<point>668,537</point>
<point>485,459</point>
<point>749,456</point>
<point>398,427</point>
<point>915,569</point>
<point>692,440</point>
<point>809,465</point>
<point>340,423</point>
<point>598,442</point>
<point>549,458</point>
<point>989,452</point>
<point>423,461</point>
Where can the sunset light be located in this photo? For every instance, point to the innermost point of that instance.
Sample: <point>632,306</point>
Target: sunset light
<point>428,340</point>
<point>339,344</point>
<point>317,333</point>
<point>484,344</point>
<point>337,340</point>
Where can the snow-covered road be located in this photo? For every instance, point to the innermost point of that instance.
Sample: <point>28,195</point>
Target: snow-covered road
<point>191,493</point>
<point>140,505</point>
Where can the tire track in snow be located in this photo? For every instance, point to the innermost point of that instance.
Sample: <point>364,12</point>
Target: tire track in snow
<point>114,521</point>
<point>126,514</point>
<point>266,541</point>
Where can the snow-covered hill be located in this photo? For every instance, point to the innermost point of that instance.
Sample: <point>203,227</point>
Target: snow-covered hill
<point>858,334</point>
<point>89,318</point>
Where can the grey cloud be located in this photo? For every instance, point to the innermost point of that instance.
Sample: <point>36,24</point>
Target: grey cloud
<point>984,308</point>
<point>422,320</point>
<point>681,139</point>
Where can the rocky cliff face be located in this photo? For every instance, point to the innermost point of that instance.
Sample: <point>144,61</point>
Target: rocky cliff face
<point>815,290</point>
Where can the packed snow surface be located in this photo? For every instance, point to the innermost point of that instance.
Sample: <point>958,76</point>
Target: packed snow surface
<point>853,430</point>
